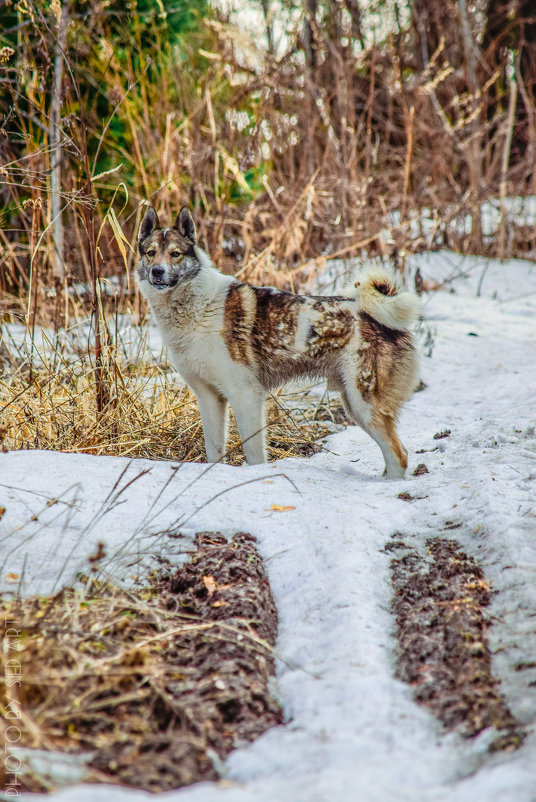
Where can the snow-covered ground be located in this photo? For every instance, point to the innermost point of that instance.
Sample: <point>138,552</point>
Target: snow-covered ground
<point>72,343</point>
<point>353,730</point>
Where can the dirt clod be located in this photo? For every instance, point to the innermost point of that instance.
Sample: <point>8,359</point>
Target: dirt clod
<point>420,470</point>
<point>441,435</point>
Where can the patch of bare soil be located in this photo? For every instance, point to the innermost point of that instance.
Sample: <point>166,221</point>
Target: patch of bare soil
<point>160,685</point>
<point>443,653</point>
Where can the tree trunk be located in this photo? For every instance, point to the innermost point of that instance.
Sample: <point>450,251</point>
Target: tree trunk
<point>55,137</point>
<point>475,145</point>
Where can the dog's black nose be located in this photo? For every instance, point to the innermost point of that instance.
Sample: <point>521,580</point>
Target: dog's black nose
<point>157,273</point>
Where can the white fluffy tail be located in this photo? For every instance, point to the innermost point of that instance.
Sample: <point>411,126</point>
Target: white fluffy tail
<point>381,294</point>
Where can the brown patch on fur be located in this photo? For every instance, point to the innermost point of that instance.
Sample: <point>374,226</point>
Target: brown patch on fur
<point>386,364</point>
<point>239,315</point>
<point>384,288</point>
<point>377,334</point>
<point>330,332</point>
<point>273,335</point>
<point>278,356</point>
<point>276,317</point>
<point>164,240</point>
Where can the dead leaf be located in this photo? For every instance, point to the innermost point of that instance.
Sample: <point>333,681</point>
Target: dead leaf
<point>100,553</point>
<point>210,584</point>
<point>12,577</point>
<point>280,508</point>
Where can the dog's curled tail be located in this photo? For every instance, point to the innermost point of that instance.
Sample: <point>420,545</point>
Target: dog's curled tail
<point>381,294</point>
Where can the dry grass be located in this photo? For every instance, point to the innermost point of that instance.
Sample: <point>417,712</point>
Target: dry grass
<point>143,417</point>
<point>156,684</point>
<point>146,413</point>
<point>332,148</point>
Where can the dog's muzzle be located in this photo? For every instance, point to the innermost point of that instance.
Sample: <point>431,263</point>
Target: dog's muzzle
<point>159,279</point>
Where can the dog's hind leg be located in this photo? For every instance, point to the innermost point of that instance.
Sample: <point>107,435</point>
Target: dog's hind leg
<point>381,428</point>
<point>214,416</point>
<point>248,408</point>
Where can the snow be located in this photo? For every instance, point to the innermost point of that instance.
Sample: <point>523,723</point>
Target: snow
<point>353,730</point>
<point>72,343</point>
<point>514,212</point>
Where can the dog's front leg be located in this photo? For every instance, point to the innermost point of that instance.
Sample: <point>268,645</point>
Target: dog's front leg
<point>249,413</point>
<point>214,417</point>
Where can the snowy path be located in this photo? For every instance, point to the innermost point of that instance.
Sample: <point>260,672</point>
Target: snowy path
<point>354,731</point>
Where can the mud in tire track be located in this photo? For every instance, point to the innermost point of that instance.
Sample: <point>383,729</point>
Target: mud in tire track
<point>443,653</point>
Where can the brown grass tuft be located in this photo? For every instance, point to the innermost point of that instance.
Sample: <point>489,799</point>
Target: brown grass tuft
<point>158,683</point>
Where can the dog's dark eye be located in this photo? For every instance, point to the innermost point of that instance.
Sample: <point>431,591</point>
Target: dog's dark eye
<point>151,253</point>
<point>176,254</point>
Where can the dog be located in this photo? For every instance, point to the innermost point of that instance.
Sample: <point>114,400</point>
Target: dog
<point>233,342</point>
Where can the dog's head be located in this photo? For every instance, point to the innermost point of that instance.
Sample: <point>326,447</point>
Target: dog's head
<point>167,255</point>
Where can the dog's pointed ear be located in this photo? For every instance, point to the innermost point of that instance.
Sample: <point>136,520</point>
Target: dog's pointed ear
<point>149,223</point>
<point>185,225</point>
